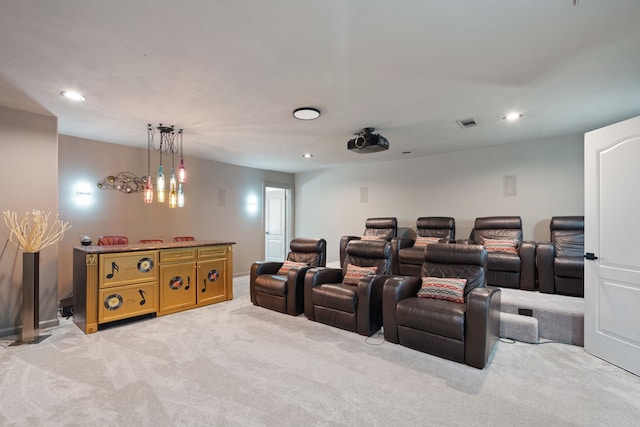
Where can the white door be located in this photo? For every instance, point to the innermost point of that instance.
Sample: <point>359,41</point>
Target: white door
<point>275,235</point>
<point>612,240</point>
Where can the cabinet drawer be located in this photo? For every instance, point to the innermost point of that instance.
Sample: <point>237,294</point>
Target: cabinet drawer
<point>212,252</point>
<point>178,255</point>
<point>127,268</point>
<point>127,301</point>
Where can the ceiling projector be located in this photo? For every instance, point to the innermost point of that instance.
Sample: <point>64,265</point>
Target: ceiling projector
<point>367,142</point>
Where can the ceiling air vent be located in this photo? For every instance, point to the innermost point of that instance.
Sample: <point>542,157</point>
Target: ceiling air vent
<point>468,123</point>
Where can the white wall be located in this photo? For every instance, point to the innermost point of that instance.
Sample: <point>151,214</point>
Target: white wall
<point>29,181</point>
<point>216,202</point>
<point>463,185</point>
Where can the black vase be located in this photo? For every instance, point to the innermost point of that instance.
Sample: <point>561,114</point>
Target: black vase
<point>30,295</point>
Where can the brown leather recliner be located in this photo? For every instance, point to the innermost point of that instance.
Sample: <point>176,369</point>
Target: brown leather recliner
<point>510,270</point>
<point>348,301</point>
<point>560,262</point>
<point>382,228</point>
<point>284,292</point>
<point>409,257</point>
<point>112,240</point>
<point>463,332</point>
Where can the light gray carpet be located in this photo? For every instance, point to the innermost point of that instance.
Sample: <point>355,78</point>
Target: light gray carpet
<point>235,364</point>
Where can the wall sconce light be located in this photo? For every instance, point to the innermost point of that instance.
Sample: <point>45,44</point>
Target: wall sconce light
<point>252,204</point>
<point>83,193</point>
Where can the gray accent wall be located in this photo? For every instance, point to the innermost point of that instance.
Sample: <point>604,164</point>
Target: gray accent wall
<point>29,176</point>
<point>535,180</point>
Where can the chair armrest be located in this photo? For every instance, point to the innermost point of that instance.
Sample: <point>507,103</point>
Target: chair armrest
<point>315,277</point>
<point>369,304</point>
<point>465,242</point>
<point>344,241</point>
<point>482,325</point>
<point>398,243</point>
<point>258,268</point>
<point>295,290</point>
<point>396,288</point>
<point>545,254</point>
<point>528,266</point>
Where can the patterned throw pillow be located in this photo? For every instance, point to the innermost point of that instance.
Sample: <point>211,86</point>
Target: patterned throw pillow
<point>443,288</point>
<point>495,245</point>
<point>284,270</point>
<point>355,273</point>
<point>372,237</point>
<point>424,241</point>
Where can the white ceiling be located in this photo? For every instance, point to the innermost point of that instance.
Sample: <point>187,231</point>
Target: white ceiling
<point>231,72</point>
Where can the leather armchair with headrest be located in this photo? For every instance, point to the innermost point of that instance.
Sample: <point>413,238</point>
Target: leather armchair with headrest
<point>560,262</point>
<point>284,292</point>
<point>407,257</point>
<point>463,332</point>
<point>509,270</point>
<point>354,307</point>
<point>381,228</point>
<point>112,240</point>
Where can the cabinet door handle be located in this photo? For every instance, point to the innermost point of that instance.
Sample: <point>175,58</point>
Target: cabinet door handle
<point>204,281</point>
<point>186,288</point>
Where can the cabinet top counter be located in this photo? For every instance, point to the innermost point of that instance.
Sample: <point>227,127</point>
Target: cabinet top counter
<point>151,246</point>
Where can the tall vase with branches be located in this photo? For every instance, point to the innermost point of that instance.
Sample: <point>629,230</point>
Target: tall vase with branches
<point>32,233</point>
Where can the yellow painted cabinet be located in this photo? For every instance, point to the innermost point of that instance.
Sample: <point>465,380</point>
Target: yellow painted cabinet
<point>177,287</point>
<point>212,278</point>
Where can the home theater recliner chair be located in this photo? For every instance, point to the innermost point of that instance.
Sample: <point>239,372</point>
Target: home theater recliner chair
<point>280,286</point>
<point>511,262</point>
<point>458,322</point>
<point>374,228</point>
<point>561,262</point>
<point>350,297</point>
<point>408,254</point>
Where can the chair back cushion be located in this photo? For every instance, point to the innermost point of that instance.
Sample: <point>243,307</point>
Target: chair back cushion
<point>497,228</point>
<point>382,228</point>
<point>112,240</point>
<point>313,252</point>
<point>436,226</point>
<point>368,253</point>
<point>457,261</point>
<point>567,235</point>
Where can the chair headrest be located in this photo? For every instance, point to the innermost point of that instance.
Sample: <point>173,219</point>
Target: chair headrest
<point>567,223</point>
<point>389,222</point>
<point>435,222</point>
<point>453,253</point>
<point>303,244</point>
<point>494,222</point>
<point>369,249</point>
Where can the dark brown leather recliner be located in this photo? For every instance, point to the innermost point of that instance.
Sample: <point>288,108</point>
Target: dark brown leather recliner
<point>463,332</point>
<point>112,240</point>
<point>509,270</point>
<point>382,228</point>
<point>561,262</point>
<point>284,292</point>
<point>409,257</point>
<point>355,307</point>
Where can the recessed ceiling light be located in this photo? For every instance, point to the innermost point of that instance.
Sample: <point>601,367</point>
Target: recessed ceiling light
<point>72,95</point>
<point>306,113</point>
<point>307,155</point>
<point>512,116</point>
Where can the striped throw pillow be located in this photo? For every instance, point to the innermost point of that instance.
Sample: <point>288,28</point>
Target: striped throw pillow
<point>424,241</point>
<point>288,265</point>
<point>355,273</point>
<point>449,289</point>
<point>495,245</point>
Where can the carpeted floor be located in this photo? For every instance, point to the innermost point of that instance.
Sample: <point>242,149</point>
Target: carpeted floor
<point>235,364</point>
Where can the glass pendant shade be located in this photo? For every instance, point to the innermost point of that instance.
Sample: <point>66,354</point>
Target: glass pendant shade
<point>180,196</point>
<point>148,191</point>
<point>160,185</point>
<point>173,194</point>
<point>182,173</point>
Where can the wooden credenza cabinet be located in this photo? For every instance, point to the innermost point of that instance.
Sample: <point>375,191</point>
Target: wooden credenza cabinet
<point>119,282</point>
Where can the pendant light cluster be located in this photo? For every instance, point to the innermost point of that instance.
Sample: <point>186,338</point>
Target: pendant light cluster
<point>169,143</point>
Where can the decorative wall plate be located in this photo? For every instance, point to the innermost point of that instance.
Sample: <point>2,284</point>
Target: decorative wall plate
<point>145,265</point>
<point>176,282</point>
<point>113,302</point>
<point>213,275</point>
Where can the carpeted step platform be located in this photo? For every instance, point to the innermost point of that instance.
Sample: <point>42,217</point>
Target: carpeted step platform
<point>533,316</point>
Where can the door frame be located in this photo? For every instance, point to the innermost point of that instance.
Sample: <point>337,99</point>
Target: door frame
<point>288,213</point>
